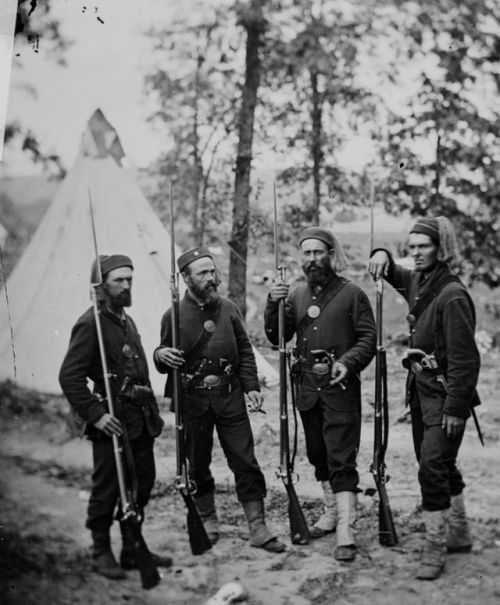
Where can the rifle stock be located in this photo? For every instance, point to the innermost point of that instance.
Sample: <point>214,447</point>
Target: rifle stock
<point>387,531</point>
<point>130,515</point>
<point>299,532</point>
<point>198,539</point>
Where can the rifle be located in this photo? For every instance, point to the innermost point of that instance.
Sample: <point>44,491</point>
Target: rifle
<point>386,530</point>
<point>198,538</point>
<point>129,514</point>
<point>299,531</point>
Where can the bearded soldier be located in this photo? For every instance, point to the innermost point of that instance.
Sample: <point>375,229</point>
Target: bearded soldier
<point>443,362</point>
<point>137,419</point>
<point>336,338</point>
<point>218,369</point>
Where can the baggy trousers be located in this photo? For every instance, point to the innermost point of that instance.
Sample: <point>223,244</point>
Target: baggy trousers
<point>105,492</point>
<point>236,439</point>
<point>438,474</point>
<point>332,443</point>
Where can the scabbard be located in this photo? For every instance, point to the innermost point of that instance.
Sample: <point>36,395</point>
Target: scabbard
<point>443,381</point>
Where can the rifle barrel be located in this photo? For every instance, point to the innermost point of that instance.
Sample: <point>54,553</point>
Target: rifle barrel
<point>198,538</point>
<point>387,531</point>
<point>299,531</point>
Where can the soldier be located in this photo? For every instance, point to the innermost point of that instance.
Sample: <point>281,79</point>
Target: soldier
<point>218,368</point>
<point>336,338</point>
<point>137,418</point>
<point>443,362</point>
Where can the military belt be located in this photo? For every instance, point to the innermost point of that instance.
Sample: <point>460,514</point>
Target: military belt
<point>208,382</point>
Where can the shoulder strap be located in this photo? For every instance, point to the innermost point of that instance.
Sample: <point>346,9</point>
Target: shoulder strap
<point>203,338</point>
<point>434,289</point>
<point>325,297</point>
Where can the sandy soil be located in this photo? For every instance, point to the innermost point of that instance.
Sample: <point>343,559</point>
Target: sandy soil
<point>45,474</point>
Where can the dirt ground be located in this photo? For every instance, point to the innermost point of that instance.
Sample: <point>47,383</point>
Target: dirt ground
<point>45,476</point>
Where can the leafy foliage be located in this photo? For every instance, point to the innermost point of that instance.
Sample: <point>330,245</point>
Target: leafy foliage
<point>194,86</point>
<point>445,151</point>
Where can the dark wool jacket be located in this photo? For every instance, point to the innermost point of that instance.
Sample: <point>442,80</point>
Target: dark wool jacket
<point>446,327</point>
<point>345,326</point>
<point>228,344</point>
<point>83,361</point>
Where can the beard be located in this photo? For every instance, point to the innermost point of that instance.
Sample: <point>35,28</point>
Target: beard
<point>124,299</point>
<point>318,273</point>
<point>207,293</point>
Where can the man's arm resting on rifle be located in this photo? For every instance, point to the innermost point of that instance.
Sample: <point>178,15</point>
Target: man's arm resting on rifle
<point>169,357</point>
<point>382,265</point>
<point>279,290</point>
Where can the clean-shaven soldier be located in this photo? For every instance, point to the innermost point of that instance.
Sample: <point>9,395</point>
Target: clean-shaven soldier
<point>442,350</point>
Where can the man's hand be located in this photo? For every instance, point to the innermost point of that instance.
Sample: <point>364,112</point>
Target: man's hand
<point>279,290</point>
<point>109,425</point>
<point>173,358</point>
<point>338,372</point>
<point>453,426</point>
<point>255,401</point>
<point>378,265</point>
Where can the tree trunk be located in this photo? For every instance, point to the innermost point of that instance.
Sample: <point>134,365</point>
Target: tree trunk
<point>254,23</point>
<point>316,144</point>
<point>437,174</point>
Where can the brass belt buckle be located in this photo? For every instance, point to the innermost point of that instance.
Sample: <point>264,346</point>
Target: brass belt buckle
<point>211,380</point>
<point>320,368</point>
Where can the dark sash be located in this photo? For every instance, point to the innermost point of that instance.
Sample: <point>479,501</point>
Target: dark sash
<point>324,298</point>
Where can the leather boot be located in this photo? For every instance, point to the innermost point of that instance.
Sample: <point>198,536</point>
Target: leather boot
<point>459,538</point>
<point>103,560</point>
<point>260,536</point>
<point>327,523</point>
<point>206,507</point>
<point>346,517</point>
<point>128,556</point>
<point>434,551</point>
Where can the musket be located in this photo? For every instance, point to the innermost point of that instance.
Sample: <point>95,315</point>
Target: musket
<point>129,514</point>
<point>299,531</point>
<point>198,538</point>
<point>386,530</point>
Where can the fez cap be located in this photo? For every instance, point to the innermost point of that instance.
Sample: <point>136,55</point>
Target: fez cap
<point>108,264</point>
<point>318,233</point>
<point>427,226</point>
<point>191,255</point>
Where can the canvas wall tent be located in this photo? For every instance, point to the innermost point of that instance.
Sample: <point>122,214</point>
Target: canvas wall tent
<point>3,234</point>
<point>49,287</point>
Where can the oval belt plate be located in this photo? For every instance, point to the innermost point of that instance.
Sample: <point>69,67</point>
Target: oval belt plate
<point>313,311</point>
<point>321,368</point>
<point>211,380</point>
<point>209,325</point>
